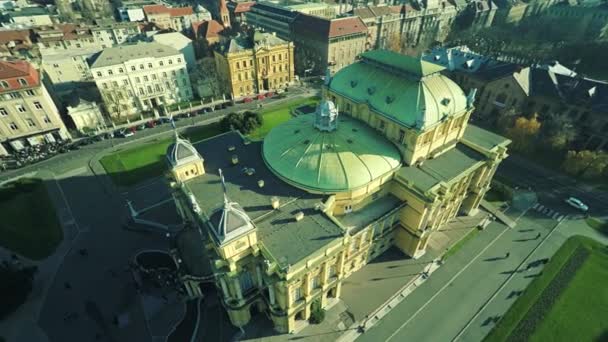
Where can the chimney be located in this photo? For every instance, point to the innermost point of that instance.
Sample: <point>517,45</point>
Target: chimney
<point>235,159</point>
<point>299,216</point>
<point>261,183</point>
<point>274,202</point>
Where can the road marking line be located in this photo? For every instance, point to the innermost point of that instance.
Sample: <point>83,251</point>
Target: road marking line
<point>535,205</point>
<point>505,283</point>
<point>446,285</point>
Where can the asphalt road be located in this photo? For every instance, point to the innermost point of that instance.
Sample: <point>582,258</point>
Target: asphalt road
<point>451,305</point>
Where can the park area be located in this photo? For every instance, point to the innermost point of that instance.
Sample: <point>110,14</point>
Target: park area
<point>567,302</point>
<point>29,225</point>
<point>132,165</point>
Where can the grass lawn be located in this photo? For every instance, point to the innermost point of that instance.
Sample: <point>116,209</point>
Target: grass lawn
<point>131,166</point>
<point>597,224</point>
<point>579,311</point>
<point>279,113</point>
<point>458,245</point>
<point>29,225</point>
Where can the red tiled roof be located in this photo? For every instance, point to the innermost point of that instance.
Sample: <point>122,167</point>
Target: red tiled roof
<point>180,11</point>
<point>12,71</point>
<point>207,29</point>
<point>346,26</point>
<point>174,12</point>
<point>242,7</point>
<point>15,36</point>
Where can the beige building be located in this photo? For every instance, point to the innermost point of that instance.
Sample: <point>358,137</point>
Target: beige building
<point>176,18</point>
<point>28,116</point>
<point>31,16</point>
<point>139,78</point>
<point>86,116</point>
<point>327,43</point>
<point>252,65</point>
<point>108,35</point>
<point>68,70</point>
<point>387,158</point>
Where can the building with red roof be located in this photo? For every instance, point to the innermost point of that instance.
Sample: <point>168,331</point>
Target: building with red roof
<point>238,9</point>
<point>176,18</point>
<point>28,115</point>
<point>327,43</point>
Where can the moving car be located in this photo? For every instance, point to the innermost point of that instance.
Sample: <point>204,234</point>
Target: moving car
<point>576,203</point>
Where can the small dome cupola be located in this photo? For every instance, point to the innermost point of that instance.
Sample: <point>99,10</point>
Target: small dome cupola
<point>181,152</point>
<point>326,116</point>
<point>231,221</point>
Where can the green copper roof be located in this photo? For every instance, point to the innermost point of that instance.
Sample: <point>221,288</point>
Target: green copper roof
<point>412,65</point>
<point>396,86</point>
<point>483,138</point>
<point>328,162</point>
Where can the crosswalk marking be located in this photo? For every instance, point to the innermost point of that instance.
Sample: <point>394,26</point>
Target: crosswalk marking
<point>553,214</point>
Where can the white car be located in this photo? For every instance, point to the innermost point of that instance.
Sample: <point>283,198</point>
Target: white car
<point>576,203</point>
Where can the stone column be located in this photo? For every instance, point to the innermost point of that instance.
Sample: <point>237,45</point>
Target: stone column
<point>271,294</point>
<point>224,288</point>
<point>237,288</point>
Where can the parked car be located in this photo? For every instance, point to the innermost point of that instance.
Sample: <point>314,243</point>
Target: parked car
<point>151,124</point>
<point>576,203</point>
<point>125,133</point>
<point>140,127</point>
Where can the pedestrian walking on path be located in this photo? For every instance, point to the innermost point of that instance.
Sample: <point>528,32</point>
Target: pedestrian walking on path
<point>507,255</point>
<point>537,236</point>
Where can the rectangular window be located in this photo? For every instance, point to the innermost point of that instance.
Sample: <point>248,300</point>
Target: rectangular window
<point>13,126</point>
<point>30,122</point>
<point>161,63</point>
<point>297,293</point>
<point>3,112</point>
<point>125,82</point>
<point>170,61</point>
<point>145,78</point>
<point>20,108</point>
<point>110,72</point>
<point>150,65</point>
<point>47,119</point>
<point>38,105</point>
<point>141,67</point>
<point>22,82</point>
<point>132,67</point>
<point>316,282</point>
<point>333,271</point>
<point>401,136</point>
<point>137,80</point>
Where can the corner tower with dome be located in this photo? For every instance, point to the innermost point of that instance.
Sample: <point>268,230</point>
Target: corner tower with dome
<point>386,160</point>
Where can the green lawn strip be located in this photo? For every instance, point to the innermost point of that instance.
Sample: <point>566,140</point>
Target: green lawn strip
<point>29,225</point>
<point>131,166</point>
<point>276,114</point>
<point>458,245</point>
<point>581,310</point>
<point>522,305</point>
<point>597,224</point>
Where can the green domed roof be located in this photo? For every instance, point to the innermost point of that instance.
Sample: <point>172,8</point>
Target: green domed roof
<point>403,88</point>
<point>328,162</point>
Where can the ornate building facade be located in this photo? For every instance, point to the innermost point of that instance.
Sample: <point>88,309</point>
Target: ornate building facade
<point>251,65</point>
<point>386,159</point>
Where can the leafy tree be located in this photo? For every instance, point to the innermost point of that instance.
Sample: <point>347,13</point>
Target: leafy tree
<point>244,122</point>
<point>558,131</point>
<point>317,313</point>
<point>16,285</point>
<point>588,164</point>
<point>524,132</point>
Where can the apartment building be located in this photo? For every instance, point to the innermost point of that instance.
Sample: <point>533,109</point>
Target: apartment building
<point>28,116</point>
<point>177,18</point>
<point>138,78</point>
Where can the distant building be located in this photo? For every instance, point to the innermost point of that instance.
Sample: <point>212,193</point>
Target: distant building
<point>15,43</point>
<point>180,43</point>
<point>68,71</point>
<point>251,65</point>
<point>31,16</point>
<point>238,9</point>
<point>327,43</point>
<point>138,78</point>
<point>546,90</point>
<point>61,37</point>
<point>589,22</point>
<point>176,18</point>
<point>271,18</point>
<point>116,33</point>
<point>28,115</point>
<point>207,34</point>
<point>133,11</point>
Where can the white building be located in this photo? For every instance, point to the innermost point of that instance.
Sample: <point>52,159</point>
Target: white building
<point>32,16</point>
<point>180,43</point>
<point>86,116</point>
<point>138,78</point>
<point>68,71</point>
<point>115,33</point>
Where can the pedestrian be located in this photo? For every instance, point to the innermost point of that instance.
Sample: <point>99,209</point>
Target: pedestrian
<point>507,255</point>
<point>537,236</point>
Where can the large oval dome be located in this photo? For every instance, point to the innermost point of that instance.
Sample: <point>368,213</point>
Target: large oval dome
<point>335,161</point>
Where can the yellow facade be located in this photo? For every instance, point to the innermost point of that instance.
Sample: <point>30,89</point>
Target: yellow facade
<point>252,71</point>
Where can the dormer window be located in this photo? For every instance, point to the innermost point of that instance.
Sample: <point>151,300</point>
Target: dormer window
<point>353,83</point>
<point>371,90</point>
<point>390,99</point>
<point>22,82</point>
<point>4,84</point>
<point>445,101</point>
